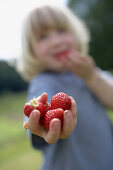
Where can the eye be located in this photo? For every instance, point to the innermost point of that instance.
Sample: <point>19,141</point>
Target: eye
<point>42,36</point>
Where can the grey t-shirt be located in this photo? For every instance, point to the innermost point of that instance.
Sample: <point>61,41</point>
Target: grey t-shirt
<point>90,146</point>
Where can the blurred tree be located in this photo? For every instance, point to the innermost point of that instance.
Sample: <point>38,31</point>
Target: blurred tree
<point>10,79</point>
<point>98,15</point>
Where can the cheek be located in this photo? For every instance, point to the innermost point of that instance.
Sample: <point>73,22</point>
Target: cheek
<point>69,39</point>
<point>43,48</point>
<point>39,50</point>
<point>73,42</point>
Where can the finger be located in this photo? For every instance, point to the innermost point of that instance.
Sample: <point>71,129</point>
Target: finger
<point>71,61</point>
<point>33,124</point>
<point>67,124</point>
<point>54,131</point>
<point>75,61</point>
<point>73,107</point>
<point>67,62</point>
<point>77,57</point>
<point>74,112</point>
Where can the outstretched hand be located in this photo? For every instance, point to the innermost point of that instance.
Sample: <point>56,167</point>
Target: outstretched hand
<point>54,133</point>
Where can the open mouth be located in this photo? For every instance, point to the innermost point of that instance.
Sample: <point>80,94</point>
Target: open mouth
<point>62,54</point>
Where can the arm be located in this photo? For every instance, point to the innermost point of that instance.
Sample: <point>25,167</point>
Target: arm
<point>102,87</point>
<point>99,83</point>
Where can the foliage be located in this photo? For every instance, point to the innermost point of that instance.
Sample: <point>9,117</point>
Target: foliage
<point>10,79</point>
<point>98,15</point>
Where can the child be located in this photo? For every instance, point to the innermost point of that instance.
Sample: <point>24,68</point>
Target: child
<point>55,58</point>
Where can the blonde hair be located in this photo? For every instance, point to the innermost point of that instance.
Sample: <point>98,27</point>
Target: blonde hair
<point>43,18</point>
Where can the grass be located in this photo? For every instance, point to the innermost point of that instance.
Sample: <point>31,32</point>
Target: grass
<point>16,151</point>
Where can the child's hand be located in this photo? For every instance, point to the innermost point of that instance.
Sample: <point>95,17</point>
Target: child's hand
<point>54,133</point>
<point>82,66</point>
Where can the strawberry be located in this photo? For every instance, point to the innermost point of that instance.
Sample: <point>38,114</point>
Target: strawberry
<point>28,108</point>
<point>59,103</point>
<point>62,54</point>
<point>40,106</point>
<point>51,114</point>
<point>34,104</point>
<point>47,107</point>
<point>61,100</point>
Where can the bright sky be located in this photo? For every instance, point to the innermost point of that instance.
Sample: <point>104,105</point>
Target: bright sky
<point>12,13</point>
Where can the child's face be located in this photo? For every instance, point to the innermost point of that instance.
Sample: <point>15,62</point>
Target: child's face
<point>51,46</point>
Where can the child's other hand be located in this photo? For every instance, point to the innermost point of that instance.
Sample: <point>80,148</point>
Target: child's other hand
<point>54,133</point>
<point>82,66</point>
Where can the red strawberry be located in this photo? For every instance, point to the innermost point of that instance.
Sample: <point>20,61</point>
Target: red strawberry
<point>61,100</point>
<point>34,104</point>
<point>62,54</point>
<point>47,107</point>
<point>40,106</point>
<point>55,113</point>
<point>28,108</point>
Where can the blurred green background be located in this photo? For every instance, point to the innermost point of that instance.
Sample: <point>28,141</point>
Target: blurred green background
<point>16,151</point>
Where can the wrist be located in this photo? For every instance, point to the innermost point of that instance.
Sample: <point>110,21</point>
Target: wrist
<point>94,78</point>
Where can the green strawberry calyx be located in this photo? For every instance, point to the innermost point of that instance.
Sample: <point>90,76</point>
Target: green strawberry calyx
<point>34,102</point>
